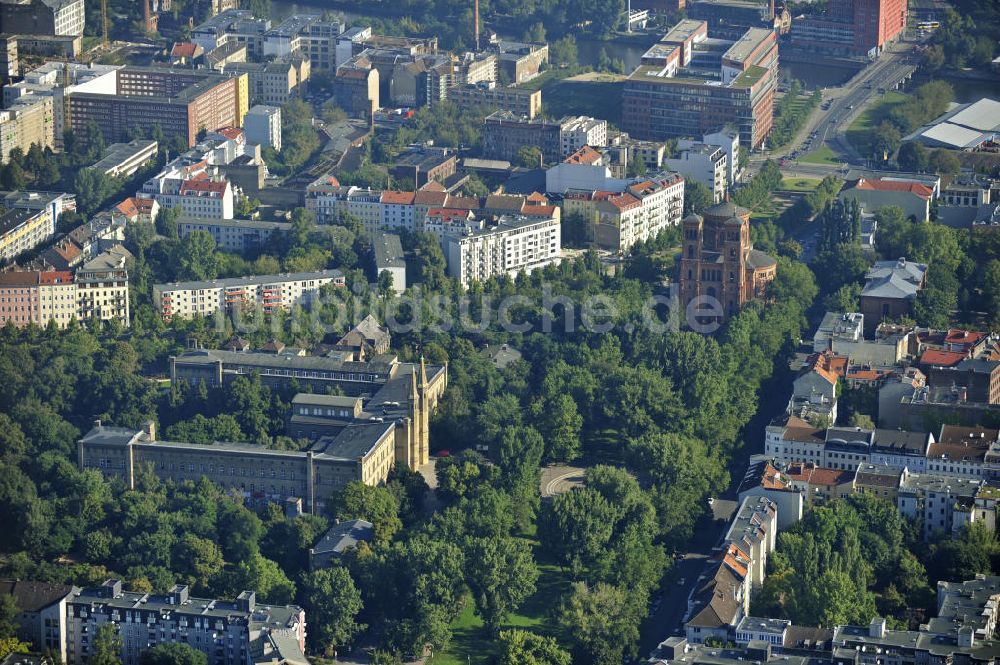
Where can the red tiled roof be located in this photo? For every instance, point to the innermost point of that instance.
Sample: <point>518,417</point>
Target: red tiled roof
<point>537,198</point>
<point>866,374</point>
<point>940,358</point>
<point>433,186</point>
<point>895,186</point>
<point>230,132</point>
<point>966,337</point>
<point>585,155</point>
<point>129,207</point>
<point>427,198</point>
<point>397,198</point>
<point>19,278</point>
<point>828,365</point>
<point>199,186</point>
<point>184,50</point>
<point>539,211</point>
<point>625,201</point>
<point>55,277</point>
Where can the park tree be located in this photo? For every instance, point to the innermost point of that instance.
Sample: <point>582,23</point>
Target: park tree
<point>604,623</point>
<point>195,257</point>
<point>913,156</point>
<point>173,653</point>
<point>522,647</point>
<point>697,197</point>
<point>378,505</point>
<point>107,646</point>
<point>501,575</point>
<point>944,162</point>
<point>530,156</point>
<point>333,602</point>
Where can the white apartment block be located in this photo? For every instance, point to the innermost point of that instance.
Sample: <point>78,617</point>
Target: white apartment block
<point>237,26</point>
<point>578,132</point>
<point>233,632</point>
<point>516,244</point>
<point>662,205</point>
<point>705,163</point>
<point>398,210</point>
<point>262,125</point>
<point>68,16</point>
<point>124,159</point>
<point>57,301</point>
<point>729,141</point>
<point>191,189</point>
<point>22,230</point>
<point>269,293</point>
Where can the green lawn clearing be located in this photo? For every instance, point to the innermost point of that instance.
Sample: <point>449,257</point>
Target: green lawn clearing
<point>470,645</point>
<point>859,132</point>
<point>821,155</point>
<point>800,184</point>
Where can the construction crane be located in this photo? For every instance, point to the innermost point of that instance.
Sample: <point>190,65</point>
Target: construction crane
<point>104,20</point>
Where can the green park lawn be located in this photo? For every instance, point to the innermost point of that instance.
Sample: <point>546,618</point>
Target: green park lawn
<point>800,184</point>
<point>821,155</point>
<point>859,132</point>
<point>471,645</point>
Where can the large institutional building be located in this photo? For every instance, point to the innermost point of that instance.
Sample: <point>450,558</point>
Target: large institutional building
<point>392,427</point>
<point>852,27</point>
<point>720,262</point>
<point>689,84</point>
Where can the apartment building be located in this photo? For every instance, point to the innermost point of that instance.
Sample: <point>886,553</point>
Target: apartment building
<point>102,287</point>
<point>504,134</point>
<point>25,122</point>
<point>521,61</point>
<point>517,101</point>
<point>228,632</point>
<point>890,290</point>
<point>582,131</point>
<point>42,612</point>
<point>621,213</point>
<point>268,293</point>
<point>181,101</point>
<point>42,17</point>
<point>234,235</point>
<point>388,258</point>
<point>515,244</point>
<point>189,183</point>
<point>124,159</point>
<point>945,504</point>
<point>328,199</point>
<point>262,125</point>
<point>22,230</point>
<point>273,83</point>
<point>691,84</point>
<point>97,291</point>
<point>705,163</point>
<point>235,26</point>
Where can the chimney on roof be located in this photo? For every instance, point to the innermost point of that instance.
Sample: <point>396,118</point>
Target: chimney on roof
<point>902,262</point>
<point>97,423</point>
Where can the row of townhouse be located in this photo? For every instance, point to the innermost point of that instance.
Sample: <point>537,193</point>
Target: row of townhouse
<point>63,620</point>
<point>390,210</point>
<point>96,290</point>
<point>962,631</point>
<point>960,452</point>
<point>721,597</point>
<point>941,504</point>
<point>269,293</point>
